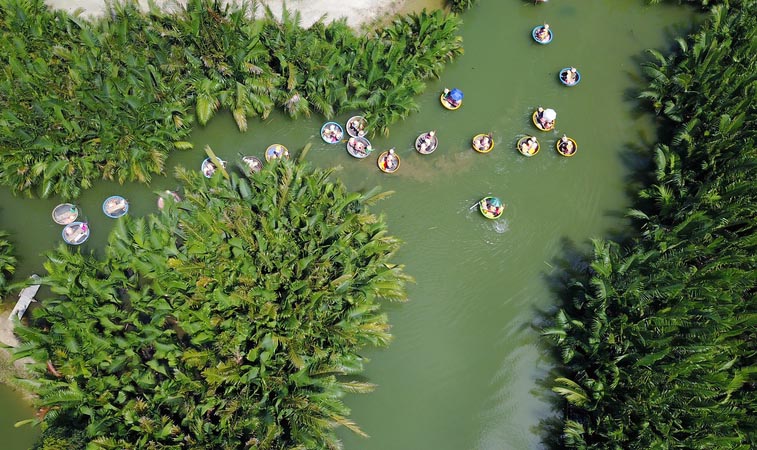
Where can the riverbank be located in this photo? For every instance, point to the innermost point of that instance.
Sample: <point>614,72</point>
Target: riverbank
<point>357,14</point>
<point>10,370</point>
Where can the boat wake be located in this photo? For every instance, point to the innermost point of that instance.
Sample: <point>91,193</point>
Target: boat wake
<point>500,226</point>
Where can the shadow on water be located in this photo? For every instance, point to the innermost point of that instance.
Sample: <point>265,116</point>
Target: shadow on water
<point>570,266</point>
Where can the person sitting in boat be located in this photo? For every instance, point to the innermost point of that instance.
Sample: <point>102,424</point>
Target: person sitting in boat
<point>254,164</point>
<point>492,207</point>
<point>529,146</point>
<point>331,133</point>
<point>454,97</point>
<point>542,34</point>
<point>358,146</point>
<point>566,146</point>
<point>75,234</point>
<point>484,142</point>
<point>357,127</point>
<point>209,169</point>
<point>115,205</point>
<point>570,76</point>
<point>428,138</point>
<point>162,203</point>
<point>389,160</point>
<point>279,151</point>
<point>69,216</point>
<point>546,117</point>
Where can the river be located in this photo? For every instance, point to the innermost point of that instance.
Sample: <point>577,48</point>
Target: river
<point>466,369</point>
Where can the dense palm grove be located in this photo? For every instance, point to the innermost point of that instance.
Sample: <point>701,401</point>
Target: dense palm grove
<point>7,262</point>
<point>231,320</point>
<point>658,335</point>
<point>82,101</point>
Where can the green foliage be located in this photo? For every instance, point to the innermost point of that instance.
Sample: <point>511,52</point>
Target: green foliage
<point>231,320</point>
<point>59,438</point>
<point>109,99</point>
<point>82,101</point>
<point>379,73</point>
<point>658,338</point>
<point>459,6</point>
<point>7,262</point>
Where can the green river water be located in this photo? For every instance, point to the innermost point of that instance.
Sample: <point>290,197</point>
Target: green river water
<point>467,369</point>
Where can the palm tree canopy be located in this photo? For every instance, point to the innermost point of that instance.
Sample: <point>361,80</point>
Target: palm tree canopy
<point>233,317</point>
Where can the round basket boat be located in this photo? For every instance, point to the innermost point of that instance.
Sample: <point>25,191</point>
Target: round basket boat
<point>332,133</point>
<point>115,206</point>
<point>253,163</point>
<point>535,119</point>
<point>564,76</point>
<point>359,147</point>
<point>75,233</point>
<point>356,126</point>
<point>491,207</point>
<point>426,143</point>
<point>445,101</point>
<point>477,145</point>
<point>276,151</point>
<point>166,194</point>
<point>389,161</point>
<point>65,213</point>
<point>535,35</point>
<point>528,150</point>
<point>208,168</point>
<point>562,147</point>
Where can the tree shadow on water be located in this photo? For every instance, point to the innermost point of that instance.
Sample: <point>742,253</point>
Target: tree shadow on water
<point>570,266</point>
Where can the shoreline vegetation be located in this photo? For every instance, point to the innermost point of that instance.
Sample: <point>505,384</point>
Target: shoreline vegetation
<point>657,334</point>
<point>7,262</point>
<point>110,98</point>
<point>235,318</point>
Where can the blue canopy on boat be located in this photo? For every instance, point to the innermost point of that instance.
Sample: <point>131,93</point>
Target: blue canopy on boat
<point>494,201</point>
<point>456,95</point>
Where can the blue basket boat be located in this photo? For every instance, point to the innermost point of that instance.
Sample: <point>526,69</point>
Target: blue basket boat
<point>539,40</point>
<point>115,206</point>
<point>332,133</point>
<point>75,233</point>
<point>565,77</point>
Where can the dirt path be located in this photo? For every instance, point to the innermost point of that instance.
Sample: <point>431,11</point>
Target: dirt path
<point>357,12</point>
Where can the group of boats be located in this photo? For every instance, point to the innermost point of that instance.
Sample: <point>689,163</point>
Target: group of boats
<point>543,119</point>
<point>76,232</point>
<point>360,147</point>
<point>542,34</point>
<point>253,163</point>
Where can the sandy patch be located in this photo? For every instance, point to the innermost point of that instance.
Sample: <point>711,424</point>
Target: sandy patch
<point>357,12</point>
<point>6,326</point>
<point>9,369</point>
